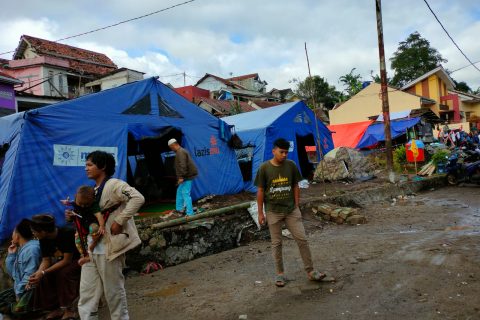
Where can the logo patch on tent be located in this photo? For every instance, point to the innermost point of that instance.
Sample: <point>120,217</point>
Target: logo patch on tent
<point>213,149</point>
<point>75,156</point>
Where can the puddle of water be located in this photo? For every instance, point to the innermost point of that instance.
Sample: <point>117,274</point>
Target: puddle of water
<point>409,231</point>
<point>168,291</point>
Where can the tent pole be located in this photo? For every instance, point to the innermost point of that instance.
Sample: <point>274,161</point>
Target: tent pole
<point>319,147</point>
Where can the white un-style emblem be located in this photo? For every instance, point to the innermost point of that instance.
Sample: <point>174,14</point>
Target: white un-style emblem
<point>65,155</point>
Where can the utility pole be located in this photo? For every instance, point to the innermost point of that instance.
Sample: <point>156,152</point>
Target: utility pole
<point>319,146</point>
<point>385,106</point>
<point>184,83</point>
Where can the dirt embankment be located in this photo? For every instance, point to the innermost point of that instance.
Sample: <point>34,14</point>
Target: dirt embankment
<point>416,259</point>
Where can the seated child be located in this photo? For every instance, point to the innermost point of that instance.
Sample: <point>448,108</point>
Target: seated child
<point>88,220</point>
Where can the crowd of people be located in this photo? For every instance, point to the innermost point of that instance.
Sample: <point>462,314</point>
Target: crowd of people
<point>458,137</point>
<point>63,272</point>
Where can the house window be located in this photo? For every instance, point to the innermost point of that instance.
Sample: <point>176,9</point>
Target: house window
<point>467,116</point>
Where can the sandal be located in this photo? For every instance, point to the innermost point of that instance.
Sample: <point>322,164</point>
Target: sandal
<point>280,280</point>
<point>316,275</point>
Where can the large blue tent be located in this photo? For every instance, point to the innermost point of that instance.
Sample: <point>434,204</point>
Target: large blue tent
<point>293,121</point>
<point>47,147</point>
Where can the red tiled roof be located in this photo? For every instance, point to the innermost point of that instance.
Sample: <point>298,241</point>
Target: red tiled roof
<point>81,60</point>
<point>226,106</point>
<point>266,104</point>
<point>247,76</point>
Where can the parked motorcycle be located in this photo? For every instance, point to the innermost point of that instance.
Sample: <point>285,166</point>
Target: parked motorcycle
<point>458,170</point>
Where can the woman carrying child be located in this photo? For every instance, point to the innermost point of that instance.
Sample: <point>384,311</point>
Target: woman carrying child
<point>88,220</point>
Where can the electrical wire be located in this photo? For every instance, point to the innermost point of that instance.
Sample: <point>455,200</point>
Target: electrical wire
<point>116,24</point>
<point>456,45</point>
<point>468,65</point>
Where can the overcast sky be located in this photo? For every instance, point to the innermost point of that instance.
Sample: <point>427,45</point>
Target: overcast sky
<point>235,37</point>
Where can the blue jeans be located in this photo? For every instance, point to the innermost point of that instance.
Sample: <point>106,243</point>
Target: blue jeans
<point>184,200</point>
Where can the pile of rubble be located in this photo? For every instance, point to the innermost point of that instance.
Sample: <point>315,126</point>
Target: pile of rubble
<point>339,215</point>
<point>344,163</point>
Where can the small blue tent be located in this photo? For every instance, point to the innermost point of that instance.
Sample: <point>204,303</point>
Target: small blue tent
<point>47,147</point>
<point>293,121</point>
<point>375,133</point>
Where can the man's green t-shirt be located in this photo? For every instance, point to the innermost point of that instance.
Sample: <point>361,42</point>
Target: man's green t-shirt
<point>278,183</point>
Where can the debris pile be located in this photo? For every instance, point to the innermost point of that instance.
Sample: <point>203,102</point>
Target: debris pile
<point>339,215</point>
<point>344,163</point>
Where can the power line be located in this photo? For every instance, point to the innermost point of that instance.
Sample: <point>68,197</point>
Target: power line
<point>116,24</point>
<point>456,45</point>
<point>468,65</point>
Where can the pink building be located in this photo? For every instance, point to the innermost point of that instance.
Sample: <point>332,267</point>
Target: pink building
<point>52,71</point>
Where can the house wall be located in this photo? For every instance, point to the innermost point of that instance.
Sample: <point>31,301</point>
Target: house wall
<point>192,92</point>
<point>120,78</point>
<point>247,83</point>
<point>473,108</point>
<point>30,76</point>
<point>7,96</point>
<point>34,70</point>
<point>211,84</point>
<point>433,88</point>
<point>29,53</point>
<point>58,81</point>
<point>368,103</point>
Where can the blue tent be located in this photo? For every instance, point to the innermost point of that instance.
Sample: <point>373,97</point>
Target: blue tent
<point>375,132</point>
<point>48,146</point>
<point>293,121</point>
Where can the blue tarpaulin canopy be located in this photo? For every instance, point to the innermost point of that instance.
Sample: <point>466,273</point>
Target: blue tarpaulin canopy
<point>289,121</point>
<point>375,133</point>
<point>48,146</point>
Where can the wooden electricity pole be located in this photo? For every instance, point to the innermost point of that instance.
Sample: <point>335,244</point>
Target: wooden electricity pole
<point>385,106</point>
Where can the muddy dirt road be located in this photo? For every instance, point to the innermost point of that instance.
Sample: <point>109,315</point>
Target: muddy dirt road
<point>418,259</point>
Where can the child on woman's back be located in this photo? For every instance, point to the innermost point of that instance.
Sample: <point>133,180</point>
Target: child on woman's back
<point>88,221</point>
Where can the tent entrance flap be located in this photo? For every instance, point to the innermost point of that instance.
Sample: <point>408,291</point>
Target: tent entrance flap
<point>245,161</point>
<point>307,168</point>
<point>150,166</point>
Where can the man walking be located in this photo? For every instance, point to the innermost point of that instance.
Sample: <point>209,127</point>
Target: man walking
<point>103,275</point>
<point>277,184</point>
<point>185,170</point>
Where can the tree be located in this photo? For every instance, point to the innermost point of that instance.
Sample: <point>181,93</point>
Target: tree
<point>376,78</point>
<point>462,86</point>
<point>318,88</point>
<point>413,58</point>
<point>352,82</point>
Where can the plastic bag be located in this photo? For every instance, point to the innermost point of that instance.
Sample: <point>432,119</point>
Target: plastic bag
<point>253,210</point>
